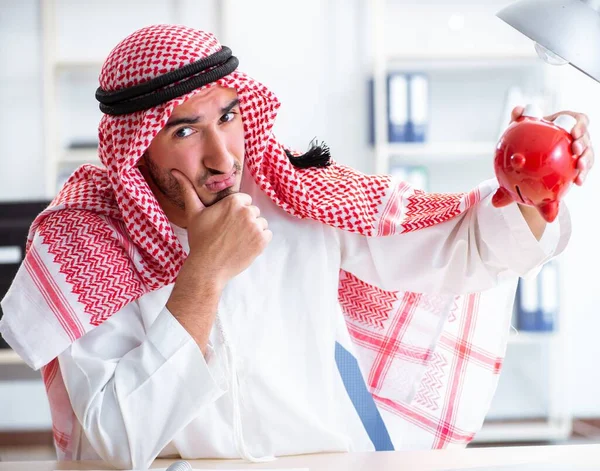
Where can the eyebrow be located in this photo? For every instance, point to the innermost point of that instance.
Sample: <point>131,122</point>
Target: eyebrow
<point>196,119</point>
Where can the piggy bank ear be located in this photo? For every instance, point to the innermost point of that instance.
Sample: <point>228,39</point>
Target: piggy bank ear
<point>501,198</point>
<point>549,210</point>
<point>566,122</point>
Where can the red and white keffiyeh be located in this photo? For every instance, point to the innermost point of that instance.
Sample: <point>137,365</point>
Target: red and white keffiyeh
<point>104,242</point>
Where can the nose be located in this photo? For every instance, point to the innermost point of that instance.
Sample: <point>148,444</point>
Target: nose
<point>216,157</point>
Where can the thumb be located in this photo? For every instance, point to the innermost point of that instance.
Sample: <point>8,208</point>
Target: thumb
<point>516,113</point>
<point>192,201</point>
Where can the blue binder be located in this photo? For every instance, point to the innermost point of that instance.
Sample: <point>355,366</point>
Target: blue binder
<point>550,291</point>
<point>407,107</point>
<point>398,104</point>
<point>418,107</point>
<point>538,301</point>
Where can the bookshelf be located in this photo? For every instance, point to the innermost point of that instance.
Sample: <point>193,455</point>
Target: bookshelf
<point>59,77</point>
<point>461,62</point>
<point>9,357</point>
<point>78,156</point>
<point>71,113</point>
<point>532,338</point>
<point>468,92</point>
<point>431,152</point>
<point>524,431</point>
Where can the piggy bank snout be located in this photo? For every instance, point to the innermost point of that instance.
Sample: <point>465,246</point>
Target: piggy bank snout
<point>517,161</point>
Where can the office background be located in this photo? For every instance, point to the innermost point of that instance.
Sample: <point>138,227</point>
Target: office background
<point>317,56</point>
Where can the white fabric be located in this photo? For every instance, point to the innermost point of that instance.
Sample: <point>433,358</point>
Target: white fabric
<point>141,388</point>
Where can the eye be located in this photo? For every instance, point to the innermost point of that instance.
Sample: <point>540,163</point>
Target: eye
<point>184,132</point>
<point>228,117</point>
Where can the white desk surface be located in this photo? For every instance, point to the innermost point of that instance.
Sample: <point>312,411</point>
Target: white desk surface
<point>577,456</point>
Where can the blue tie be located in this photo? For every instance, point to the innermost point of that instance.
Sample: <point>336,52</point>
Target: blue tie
<point>362,400</point>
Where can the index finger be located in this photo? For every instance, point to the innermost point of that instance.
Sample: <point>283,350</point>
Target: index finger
<point>192,201</point>
<point>580,127</point>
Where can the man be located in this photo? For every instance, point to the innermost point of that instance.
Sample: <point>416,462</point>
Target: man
<point>187,300</point>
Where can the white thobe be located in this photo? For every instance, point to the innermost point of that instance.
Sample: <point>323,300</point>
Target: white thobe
<point>141,388</point>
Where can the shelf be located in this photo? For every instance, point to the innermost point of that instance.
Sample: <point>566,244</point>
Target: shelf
<point>532,337</point>
<point>71,65</point>
<point>523,431</point>
<point>438,151</point>
<point>80,156</point>
<point>452,63</point>
<point>9,357</point>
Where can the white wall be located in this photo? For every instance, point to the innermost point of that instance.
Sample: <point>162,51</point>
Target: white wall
<point>582,257</point>
<point>312,53</point>
<point>308,53</point>
<point>23,404</point>
<point>22,401</point>
<point>21,169</point>
<point>422,28</point>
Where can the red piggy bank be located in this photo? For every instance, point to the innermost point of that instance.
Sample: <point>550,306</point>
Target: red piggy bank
<point>534,162</point>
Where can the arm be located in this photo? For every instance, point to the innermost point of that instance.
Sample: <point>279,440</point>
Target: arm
<point>224,239</point>
<point>471,252</point>
<point>194,301</point>
<point>133,388</point>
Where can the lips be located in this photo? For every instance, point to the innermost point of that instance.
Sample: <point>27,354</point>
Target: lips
<point>220,182</point>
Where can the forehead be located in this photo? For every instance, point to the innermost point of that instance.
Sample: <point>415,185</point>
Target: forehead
<point>210,100</point>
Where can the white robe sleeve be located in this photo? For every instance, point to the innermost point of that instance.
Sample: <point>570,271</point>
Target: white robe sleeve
<point>469,253</point>
<point>132,389</point>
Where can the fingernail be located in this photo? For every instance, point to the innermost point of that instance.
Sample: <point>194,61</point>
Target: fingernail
<point>578,147</point>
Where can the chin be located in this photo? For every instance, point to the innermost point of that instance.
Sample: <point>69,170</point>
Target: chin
<point>222,194</point>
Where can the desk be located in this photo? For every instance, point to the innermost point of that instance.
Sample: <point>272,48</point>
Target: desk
<point>582,455</point>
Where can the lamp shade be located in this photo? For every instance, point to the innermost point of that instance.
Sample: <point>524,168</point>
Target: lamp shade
<point>568,28</point>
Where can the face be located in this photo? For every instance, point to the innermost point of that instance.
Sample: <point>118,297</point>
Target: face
<point>204,140</point>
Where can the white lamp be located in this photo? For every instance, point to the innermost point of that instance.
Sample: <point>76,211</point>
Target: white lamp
<point>564,31</point>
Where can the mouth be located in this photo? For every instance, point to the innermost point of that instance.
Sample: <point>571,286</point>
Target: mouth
<point>519,193</point>
<point>221,182</point>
